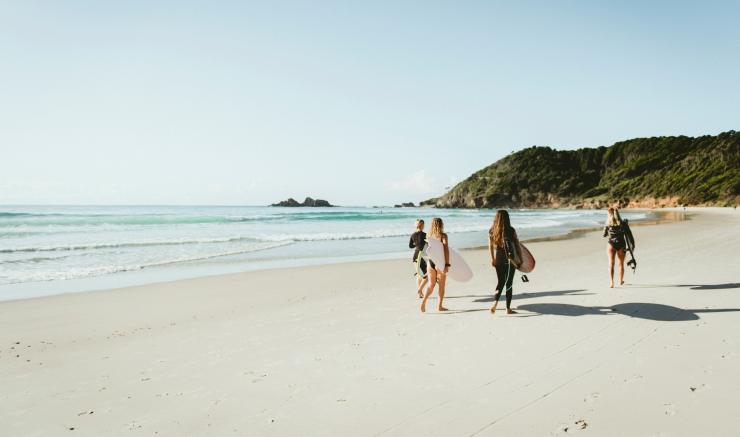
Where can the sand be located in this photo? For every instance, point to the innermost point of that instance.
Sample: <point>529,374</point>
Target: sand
<point>343,349</point>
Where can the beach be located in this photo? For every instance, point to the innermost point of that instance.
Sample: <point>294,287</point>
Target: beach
<point>342,349</point>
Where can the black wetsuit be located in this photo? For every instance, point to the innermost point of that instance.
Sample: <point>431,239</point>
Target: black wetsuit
<point>504,268</point>
<point>417,241</point>
<point>616,236</point>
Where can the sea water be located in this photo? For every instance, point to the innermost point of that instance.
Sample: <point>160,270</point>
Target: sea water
<point>55,249</point>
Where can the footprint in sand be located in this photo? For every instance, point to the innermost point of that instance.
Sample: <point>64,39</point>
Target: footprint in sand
<point>633,378</point>
<point>591,398</point>
<point>669,409</point>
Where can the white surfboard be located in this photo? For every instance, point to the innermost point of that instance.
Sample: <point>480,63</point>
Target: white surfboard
<point>459,269</point>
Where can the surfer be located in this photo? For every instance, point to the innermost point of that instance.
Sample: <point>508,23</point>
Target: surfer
<point>616,244</point>
<point>437,274</point>
<point>503,245</point>
<point>416,242</point>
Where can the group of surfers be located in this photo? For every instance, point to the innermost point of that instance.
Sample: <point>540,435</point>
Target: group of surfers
<point>505,252</point>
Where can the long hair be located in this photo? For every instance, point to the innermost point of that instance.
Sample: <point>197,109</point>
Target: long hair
<point>437,228</point>
<point>500,223</point>
<point>612,217</point>
<point>419,224</point>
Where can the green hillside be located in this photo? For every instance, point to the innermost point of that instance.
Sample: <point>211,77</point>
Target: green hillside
<point>642,171</point>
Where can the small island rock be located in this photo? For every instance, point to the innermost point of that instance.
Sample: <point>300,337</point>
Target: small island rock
<point>310,202</point>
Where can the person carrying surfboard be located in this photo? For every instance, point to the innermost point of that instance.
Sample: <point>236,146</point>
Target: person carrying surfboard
<point>503,245</point>
<point>437,273</point>
<point>417,241</point>
<point>616,244</point>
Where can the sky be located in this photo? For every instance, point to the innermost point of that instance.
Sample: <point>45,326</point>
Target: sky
<point>359,103</point>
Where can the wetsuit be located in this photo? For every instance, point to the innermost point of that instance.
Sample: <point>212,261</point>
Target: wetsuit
<point>504,268</point>
<point>616,236</point>
<point>417,241</point>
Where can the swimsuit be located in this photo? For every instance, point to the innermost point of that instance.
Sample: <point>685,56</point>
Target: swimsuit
<point>616,237</point>
<point>504,268</point>
<point>417,241</point>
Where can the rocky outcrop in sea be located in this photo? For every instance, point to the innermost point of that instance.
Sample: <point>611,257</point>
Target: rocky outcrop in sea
<point>309,202</point>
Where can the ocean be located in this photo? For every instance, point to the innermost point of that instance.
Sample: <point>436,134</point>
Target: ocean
<point>57,249</point>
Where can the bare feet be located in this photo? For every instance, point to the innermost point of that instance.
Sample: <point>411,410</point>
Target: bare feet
<point>510,311</point>
<point>442,309</point>
<point>611,285</point>
<point>621,282</point>
<point>493,308</point>
<point>421,295</point>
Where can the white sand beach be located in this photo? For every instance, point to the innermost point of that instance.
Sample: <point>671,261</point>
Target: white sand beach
<point>343,350</point>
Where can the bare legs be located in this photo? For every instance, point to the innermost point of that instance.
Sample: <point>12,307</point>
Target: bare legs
<point>442,284</point>
<point>432,281</point>
<point>420,283</point>
<point>610,253</point>
<point>620,255</point>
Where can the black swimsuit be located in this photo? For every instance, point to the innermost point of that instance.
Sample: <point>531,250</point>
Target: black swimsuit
<point>417,241</point>
<point>616,237</point>
<point>504,268</point>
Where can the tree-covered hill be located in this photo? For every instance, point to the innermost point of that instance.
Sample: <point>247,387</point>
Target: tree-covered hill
<point>653,171</point>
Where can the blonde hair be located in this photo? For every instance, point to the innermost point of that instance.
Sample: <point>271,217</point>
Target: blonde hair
<point>437,228</point>
<point>612,217</point>
<point>419,224</point>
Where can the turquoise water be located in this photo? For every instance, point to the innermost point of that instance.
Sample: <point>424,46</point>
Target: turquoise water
<point>49,249</point>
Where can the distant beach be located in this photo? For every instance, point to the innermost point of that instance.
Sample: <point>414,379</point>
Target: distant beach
<point>56,249</point>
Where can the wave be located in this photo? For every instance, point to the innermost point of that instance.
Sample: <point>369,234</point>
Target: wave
<point>385,233</point>
<point>280,238</point>
<point>8,220</point>
<point>14,214</point>
<point>83,272</point>
<point>98,220</point>
<point>36,220</point>
<point>36,259</point>
<point>129,244</point>
<point>87,220</point>
<point>327,216</point>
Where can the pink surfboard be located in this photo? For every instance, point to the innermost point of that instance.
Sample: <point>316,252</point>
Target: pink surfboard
<point>528,262</point>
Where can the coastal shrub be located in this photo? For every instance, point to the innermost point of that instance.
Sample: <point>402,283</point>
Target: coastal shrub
<point>701,170</point>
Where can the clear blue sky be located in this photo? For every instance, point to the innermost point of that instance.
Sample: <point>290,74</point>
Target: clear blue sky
<point>139,102</point>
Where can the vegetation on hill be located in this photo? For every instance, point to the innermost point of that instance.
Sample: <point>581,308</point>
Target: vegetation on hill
<point>657,171</point>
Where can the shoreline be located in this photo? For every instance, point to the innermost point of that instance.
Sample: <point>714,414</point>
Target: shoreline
<point>331,349</point>
<point>184,272</point>
<point>580,232</point>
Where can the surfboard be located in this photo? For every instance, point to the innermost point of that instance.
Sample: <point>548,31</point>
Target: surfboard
<point>459,269</point>
<point>528,262</point>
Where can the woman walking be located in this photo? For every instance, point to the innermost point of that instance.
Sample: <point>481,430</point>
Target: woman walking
<point>437,273</point>
<point>417,241</point>
<point>616,244</point>
<point>503,245</point>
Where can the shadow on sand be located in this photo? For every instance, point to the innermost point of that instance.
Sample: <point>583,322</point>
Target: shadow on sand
<point>640,310</point>
<point>728,286</point>
<point>489,298</point>
<point>713,287</point>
